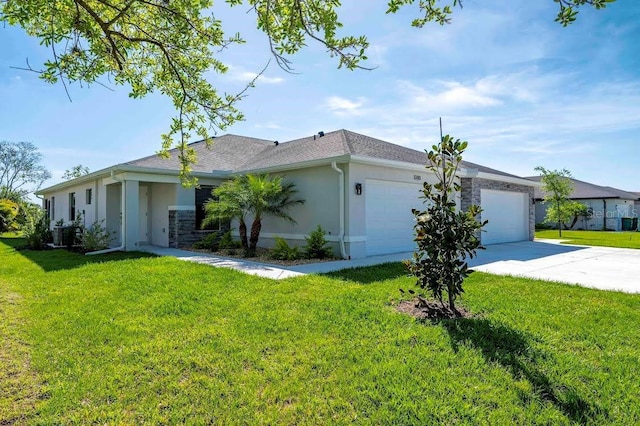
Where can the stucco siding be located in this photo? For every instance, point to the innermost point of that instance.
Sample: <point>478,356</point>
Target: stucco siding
<point>319,187</point>
<point>89,212</point>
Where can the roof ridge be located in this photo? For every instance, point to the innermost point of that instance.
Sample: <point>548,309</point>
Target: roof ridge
<point>345,138</point>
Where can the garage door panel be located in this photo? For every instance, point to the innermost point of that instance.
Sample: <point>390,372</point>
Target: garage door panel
<point>389,221</point>
<point>507,213</point>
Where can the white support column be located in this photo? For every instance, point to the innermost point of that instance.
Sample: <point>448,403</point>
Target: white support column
<point>131,190</point>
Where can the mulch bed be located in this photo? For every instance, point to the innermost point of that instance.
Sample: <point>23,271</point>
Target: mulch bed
<point>424,309</point>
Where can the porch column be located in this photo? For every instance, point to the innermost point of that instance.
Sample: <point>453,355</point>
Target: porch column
<point>131,203</point>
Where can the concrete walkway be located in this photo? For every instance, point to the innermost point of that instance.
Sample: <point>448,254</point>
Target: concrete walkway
<point>266,270</point>
<point>598,267</point>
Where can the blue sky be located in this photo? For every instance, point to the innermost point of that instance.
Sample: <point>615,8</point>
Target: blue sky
<point>523,90</point>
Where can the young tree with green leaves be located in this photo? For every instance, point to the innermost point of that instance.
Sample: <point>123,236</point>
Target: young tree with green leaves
<point>445,237</point>
<point>557,187</point>
<point>252,196</point>
<point>170,46</point>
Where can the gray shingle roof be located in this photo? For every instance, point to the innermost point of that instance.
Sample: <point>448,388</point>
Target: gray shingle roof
<point>226,152</point>
<point>585,190</point>
<point>241,154</point>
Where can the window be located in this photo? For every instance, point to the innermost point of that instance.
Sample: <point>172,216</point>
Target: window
<point>88,196</point>
<point>52,211</point>
<point>72,206</point>
<point>203,194</point>
<point>47,207</point>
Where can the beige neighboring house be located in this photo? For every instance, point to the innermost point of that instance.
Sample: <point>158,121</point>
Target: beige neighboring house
<point>609,208</point>
<point>359,189</point>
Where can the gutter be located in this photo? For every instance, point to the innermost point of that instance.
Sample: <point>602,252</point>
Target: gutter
<point>343,252</point>
<point>123,220</point>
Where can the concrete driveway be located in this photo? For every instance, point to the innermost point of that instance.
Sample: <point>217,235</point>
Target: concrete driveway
<point>598,267</point>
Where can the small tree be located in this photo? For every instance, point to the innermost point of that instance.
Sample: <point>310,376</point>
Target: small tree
<point>557,187</point>
<point>445,237</point>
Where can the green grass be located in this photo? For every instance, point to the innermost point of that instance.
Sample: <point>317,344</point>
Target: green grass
<point>595,238</point>
<point>130,339</point>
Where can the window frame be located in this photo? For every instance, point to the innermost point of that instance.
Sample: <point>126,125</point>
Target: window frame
<point>72,206</point>
<point>199,202</point>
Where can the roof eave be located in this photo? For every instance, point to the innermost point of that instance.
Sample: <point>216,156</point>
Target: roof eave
<point>123,168</point>
<point>509,179</point>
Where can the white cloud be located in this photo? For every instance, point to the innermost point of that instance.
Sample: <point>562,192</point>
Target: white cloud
<point>239,74</point>
<point>343,106</point>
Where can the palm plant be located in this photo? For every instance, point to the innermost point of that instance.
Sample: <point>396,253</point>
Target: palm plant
<point>256,196</point>
<point>229,202</point>
<point>269,196</point>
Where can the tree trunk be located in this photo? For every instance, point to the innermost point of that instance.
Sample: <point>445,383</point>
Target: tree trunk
<point>452,304</point>
<point>559,221</point>
<point>256,226</point>
<point>243,235</point>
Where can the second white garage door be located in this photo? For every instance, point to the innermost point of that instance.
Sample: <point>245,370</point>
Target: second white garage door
<point>508,216</point>
<point>389,221</point>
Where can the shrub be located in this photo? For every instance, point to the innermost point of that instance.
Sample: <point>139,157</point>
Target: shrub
<point>35,229</point>
<point>96,237</point>
<point>316,247</point>
<point>227,242</point>
<point>282,251</point>
<point>210,242</point>
<point>8,212</point>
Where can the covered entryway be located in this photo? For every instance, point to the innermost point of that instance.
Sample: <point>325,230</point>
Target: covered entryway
<point>389,221</point>
<point>507,213</point>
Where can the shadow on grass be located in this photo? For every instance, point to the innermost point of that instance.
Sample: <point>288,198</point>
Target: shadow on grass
<point>61,259</point>
<point>369,274</point>
<point>512,349</point>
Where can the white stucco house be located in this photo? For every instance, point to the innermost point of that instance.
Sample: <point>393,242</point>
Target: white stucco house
<point>608,206</point>
<point>358,188</point>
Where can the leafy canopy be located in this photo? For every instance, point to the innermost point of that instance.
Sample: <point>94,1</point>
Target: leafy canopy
<point>557,187</point>
<point>445,237</point>
<point>75,172</point>
<point>20,169</point>
<point>170,46</point>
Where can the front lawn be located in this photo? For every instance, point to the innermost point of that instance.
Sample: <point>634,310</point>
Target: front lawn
<point>127,339</point>
<point>595,238</point>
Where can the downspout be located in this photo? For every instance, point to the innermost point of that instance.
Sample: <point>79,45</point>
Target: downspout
<point>343,252</point>
<point>123,227</point>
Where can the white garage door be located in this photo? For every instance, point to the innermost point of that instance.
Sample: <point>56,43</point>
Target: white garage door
<point>507,213</point>
<point>389,221</point>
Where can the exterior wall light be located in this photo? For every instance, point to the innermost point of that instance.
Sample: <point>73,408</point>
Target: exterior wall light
<point>358,189</point>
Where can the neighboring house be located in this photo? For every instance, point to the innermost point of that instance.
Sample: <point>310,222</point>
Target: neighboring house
<point>359,189</point>
<point>607,206</point>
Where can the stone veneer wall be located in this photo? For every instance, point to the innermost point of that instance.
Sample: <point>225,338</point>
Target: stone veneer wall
<point>182,228</point>
<point>471,195</point>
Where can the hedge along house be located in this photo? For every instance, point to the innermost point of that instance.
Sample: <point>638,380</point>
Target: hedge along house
<point>359,189</point>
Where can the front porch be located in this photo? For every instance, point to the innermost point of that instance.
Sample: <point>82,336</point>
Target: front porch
<point>152,211</point>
